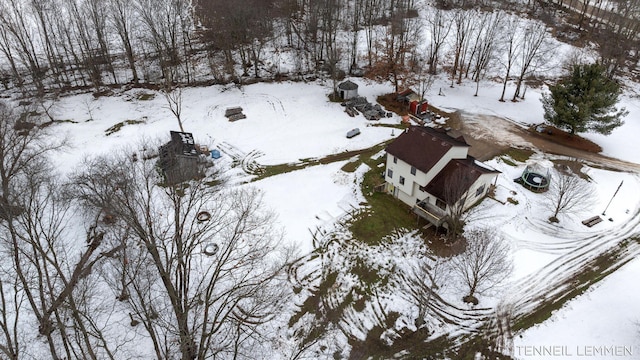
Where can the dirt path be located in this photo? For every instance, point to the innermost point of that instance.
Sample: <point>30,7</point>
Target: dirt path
<point>491,135</point>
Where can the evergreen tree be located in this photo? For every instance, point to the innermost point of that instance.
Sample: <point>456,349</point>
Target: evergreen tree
<point>584,101</point>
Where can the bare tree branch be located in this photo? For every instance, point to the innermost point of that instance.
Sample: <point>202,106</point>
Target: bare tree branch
<point>485,263</point>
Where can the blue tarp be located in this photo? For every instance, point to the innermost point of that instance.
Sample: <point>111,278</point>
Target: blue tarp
<point>215,154</point>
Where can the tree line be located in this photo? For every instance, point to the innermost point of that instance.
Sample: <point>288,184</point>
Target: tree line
<point>60,45</point>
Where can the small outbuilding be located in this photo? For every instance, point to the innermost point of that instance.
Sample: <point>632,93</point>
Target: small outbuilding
<point>179,158</point>
<point>417,105</point>
<point>348,90</point>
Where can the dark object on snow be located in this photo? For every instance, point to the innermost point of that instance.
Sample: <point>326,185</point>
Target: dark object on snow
<point>232,111</point>
<point>211,249</point>
<point>592,221</point>
<point>234,114</point>
<point>179,158</point>
<point>470,299</point>
<point>370,112</point>
<point>203,216</point>
<point>352,133</point>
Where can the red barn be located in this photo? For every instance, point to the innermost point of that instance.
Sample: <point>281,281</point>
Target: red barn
<point>417,106</point>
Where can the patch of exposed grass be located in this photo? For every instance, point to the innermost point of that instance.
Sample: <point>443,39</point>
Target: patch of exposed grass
<point>351,166</point>
<point>517,154</point>
<point>142,96</point>
<point>312,304</point>
<point>49,123</point>
<point>400,126</point>
<point>365,157</point>
<point>508,161</point>
<point>384,214</point>
<point>562,137</point>
<point>411,343</point>
<point>368,276</point>
<point>271,170</point>
<point>115,128</point>
<point>334,97</point>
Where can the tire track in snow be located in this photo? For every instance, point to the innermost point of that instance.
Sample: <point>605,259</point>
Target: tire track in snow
<point>554,279</point>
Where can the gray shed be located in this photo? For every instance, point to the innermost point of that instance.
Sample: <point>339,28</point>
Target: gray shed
<point>348,90</point>
<point>179,158</point>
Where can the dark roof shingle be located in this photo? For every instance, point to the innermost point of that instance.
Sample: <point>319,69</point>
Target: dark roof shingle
<point>459,173</point>
<point>422,147</point>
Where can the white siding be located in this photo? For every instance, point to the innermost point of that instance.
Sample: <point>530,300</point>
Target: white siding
<point>410,189</point>
<point>456,152</point>
<point>485,180</point>
<point>408,192</point>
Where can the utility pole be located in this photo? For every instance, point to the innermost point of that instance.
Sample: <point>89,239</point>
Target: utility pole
<point>614,195</point>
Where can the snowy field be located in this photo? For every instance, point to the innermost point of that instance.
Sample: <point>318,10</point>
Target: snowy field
<point>292,121</point>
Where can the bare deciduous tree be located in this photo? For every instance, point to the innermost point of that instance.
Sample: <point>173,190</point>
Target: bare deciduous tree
<point>456,197</point>
<point>397,48</point>
<point>485,263</point>
<point>11,303</point>
<point>534,52</point>
<point>464,21</point>
<point>512,39</point>
<point>439,27</point>
<point>173,95</point>
<point>422,283</point>
<point>201,267</point>
<point>122,17</point>
<point>48,268</point>
<point>485,48</point>
<point>568,193</point>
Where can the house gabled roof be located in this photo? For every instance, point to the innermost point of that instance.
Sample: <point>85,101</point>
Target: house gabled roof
<point>422,147</point>
<point>459,173</point>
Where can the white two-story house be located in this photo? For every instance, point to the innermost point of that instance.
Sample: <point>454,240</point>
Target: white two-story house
<point>431,171</point>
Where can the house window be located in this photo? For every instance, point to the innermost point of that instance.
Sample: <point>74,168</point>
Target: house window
<point>390,173</point>
<point>413,170</point>
<point>395,160</point>
<point>401,180</point>
<point>441,204</point>
<point>480,191</point>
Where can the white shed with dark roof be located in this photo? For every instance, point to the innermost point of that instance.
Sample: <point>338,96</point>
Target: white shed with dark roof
<point>348,90</point>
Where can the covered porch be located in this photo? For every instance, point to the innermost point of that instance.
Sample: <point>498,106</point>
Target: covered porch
<point>431,213</point>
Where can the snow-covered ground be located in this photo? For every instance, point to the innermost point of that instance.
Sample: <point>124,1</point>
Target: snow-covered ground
<point>287,122</point>
<point>602,323</point>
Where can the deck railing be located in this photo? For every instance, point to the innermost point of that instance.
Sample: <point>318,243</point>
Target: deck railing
<point>431,213</point>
